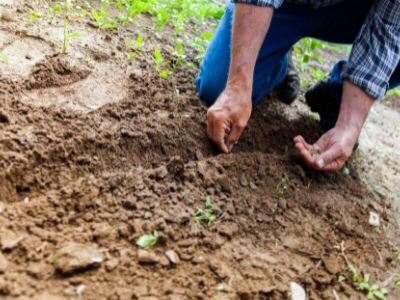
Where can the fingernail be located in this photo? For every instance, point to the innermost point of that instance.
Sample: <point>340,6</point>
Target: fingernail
<point>321,163</point>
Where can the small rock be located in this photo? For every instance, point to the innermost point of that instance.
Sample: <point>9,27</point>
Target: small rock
<point>4,117</point>
<point>200,169</point>
<point>145,257</point>
<point>199,155</point>
<point>223,181</point>
<point>75,257</point>
<point>3,263</point>
<point>173,257</point>
<point>243,180</point>
<point>161,172</point>
<point>2,207</point>
<point>164,261</point>
<point>80,289</point>
<point>374,219</point>
<point>28,56</point>
<point>9,240</point>
<point>111,264</point>
<point>297,292</point>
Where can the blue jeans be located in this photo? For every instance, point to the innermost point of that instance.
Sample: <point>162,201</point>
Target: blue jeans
<point>337,24</point>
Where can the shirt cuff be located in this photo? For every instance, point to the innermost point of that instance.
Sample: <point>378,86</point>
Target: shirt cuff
<point>275,3</point>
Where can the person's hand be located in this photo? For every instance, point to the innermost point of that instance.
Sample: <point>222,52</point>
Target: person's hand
<point>227,118</point>
<point>331,151</point>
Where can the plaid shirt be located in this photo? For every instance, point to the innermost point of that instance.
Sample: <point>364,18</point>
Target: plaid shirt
<point>376,50</point>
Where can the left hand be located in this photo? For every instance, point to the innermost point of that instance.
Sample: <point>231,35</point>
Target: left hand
<point>331,151</point>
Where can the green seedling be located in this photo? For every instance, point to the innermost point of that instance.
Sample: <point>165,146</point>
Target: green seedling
<point>371,291</point>
<point>281,187</point>
<point>8,170</point>
<point>147,240</point>
<point>314,117</point>
<point>88,61</point>
<point>139,43</point>
<point>206,214</point>
<point>131,56</point>
<point>53,260</point>
<point>160,62</point>
<point>358,155</point>
<point>102,19</point>
<point>34,16</point>
<point>4,58</point>
<point>67,37</point>
<point>341,278</point>
<point>345,170</point>
<point>397,281</point>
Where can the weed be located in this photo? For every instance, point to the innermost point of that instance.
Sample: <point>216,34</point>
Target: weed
<point>147,240</point>
<point>281,187</point>
<point>206,214</point>
<point>102,19</point>
<point>67,37</point>
<point>4,58</point>
<point>371,291</point>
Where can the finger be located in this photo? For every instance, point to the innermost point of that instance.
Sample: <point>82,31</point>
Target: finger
<point>234,136</point>
<point>330,159</point>
<point>300,140</point>
<point>218,135</point>
<point>306,156</point>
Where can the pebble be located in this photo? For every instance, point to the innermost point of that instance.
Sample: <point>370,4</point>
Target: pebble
<point>111,264</point>
<point>145,257</point>
<point>173,257</point>
<point>297,291</point>
<point>80,289</point>
<point>164,261</point>
<point>4,117</point>
<point>75,257</point>
<point>243,180</point>
<point>199,155</point>
<point>9,240</point>
<point>373,219</point>
<point>160,173</point>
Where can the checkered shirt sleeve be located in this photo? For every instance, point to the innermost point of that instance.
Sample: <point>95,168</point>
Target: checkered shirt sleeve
<point>274,3</point>
<point>376,50</point>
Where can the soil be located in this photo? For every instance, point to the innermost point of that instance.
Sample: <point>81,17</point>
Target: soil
<point>94,155</point>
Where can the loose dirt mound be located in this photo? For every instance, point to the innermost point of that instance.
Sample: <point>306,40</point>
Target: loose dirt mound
<point>79,186</point>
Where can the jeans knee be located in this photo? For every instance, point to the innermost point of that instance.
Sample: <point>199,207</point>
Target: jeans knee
<point>208,88</point>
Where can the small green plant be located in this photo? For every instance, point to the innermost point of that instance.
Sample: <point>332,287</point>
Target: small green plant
<point>371,291</point>
<point>34,16</point>
<point>206,214</point>
<point>102,20</point>
<point>281,187</point>
<point>345,170</point>
<point>358,155</point>
<point>305,49</point>
<point>397,281</point>
<point>160,62</point>
<point>67,37</point>
<point>341,278</point>
<point>4,57</point>
<point>139,43</point>
<point>147,240</point>
<point>314,117</point>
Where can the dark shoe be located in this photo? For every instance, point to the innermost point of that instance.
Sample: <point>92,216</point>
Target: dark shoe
<point>320,100</point>
<point>289,88</point>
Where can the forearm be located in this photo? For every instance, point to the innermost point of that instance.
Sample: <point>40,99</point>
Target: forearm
<point>250,26</point>
<point>354,108</point>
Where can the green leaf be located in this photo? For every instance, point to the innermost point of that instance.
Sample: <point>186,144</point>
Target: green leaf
<point>73,35</point>
<point>345,170</point>
<point>353,270</point>
<point>207,35</point>
<point>108,26</point>
<point>96,17</point>
<point>341,278</point>
<point>4,57</point>
<point>306,58</point>
<point>397,281</point>
<point>208,202</point>
<point>147,240</point>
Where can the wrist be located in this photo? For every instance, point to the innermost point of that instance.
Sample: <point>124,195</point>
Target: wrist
<point>241,76</point>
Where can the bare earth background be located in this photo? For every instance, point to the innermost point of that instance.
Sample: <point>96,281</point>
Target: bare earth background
<point>93,155</point>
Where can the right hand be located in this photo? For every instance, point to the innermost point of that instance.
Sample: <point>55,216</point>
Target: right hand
<point>228,116</point>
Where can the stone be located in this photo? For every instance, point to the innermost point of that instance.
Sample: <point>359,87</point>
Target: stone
<point>374,219</point>
<point>173,257</point>
<point>164,261</point>
<point>297,292</point>
<point>199,155</point>
<point>146,257</point>
<point>243,180</point>
<point>3,263</point>
<point>111,264</point>
<point>160,172</point>
<point>75,257</point>
<point>80,289</point>
<point>9,240</point>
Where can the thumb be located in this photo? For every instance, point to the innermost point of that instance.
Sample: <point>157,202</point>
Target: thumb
<point>233,136</point>
<point>328,160</point>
